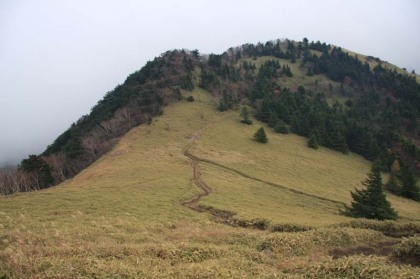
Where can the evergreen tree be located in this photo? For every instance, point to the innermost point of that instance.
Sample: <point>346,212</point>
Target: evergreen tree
<point>39,169</point>
<point>272,119</point>
<point>409,189</point>
<point>286,71</point>
<point>245,115</point>
<point>208,79</point>
<point>313,142</point>
<point>225,102</point>
<point>260,136</point>
<point>310,72</point>
<point>371,203</point>
<point>293,57</point>
<point>186,82</point>
<point>281,127</point>
<point>305,42</point>
<point>188,64</point>
<point>263,114</point>
<point>392,185</point>
<point>335,138</point>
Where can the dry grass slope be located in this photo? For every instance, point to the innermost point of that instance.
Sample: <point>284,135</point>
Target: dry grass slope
<point>123,216</point>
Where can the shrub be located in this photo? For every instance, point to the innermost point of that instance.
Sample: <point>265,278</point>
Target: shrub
<point>246,121</point>
<point>408,250</point>
<point>389,228</point>
<point>260,224</point>
<point>281,128</point>
<point>357,267</point>
<point>290,228</point>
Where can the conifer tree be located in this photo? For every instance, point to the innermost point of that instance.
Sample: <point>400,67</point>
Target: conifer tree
<point>281,127</point>
<point>313,142</point>
<point>409,189</point>
<point>39,169</point>
<point>392,185</point>
<point>186,82</point>
<point>225,102</point>
<point>245,115</point>
<point>310,72</point>
<point>371,203</point>
<point>260,136</point>
<point>272,119</point>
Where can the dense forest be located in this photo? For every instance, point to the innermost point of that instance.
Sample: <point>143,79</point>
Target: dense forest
<point>370,110</point>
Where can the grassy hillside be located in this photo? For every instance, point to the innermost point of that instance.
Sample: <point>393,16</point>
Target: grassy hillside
<point>285,161</point>
<point>123,216</point>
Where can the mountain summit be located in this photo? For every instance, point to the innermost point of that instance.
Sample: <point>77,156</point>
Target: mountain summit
<point>341,100</point>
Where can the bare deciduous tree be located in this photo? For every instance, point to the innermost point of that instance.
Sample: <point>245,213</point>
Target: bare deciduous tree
<point>57,162</point>
<point>110,127</point>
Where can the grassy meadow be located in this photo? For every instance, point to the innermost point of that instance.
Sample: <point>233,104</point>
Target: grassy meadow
<point>122,217</point>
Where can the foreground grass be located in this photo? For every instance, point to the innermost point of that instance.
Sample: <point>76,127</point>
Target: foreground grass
<point>122,217</point>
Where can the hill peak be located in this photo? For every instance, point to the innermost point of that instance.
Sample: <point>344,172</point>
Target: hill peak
<point>350,102</point>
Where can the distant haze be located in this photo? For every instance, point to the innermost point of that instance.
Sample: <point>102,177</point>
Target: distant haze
<point>58,58</point>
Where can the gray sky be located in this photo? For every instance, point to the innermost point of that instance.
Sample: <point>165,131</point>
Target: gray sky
<point>58,58</point>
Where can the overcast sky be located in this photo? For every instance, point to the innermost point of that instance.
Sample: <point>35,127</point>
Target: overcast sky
<point>58,58</point>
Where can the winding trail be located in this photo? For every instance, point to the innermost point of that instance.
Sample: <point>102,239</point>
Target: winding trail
<point>200,183</point>
<point>193,202</point>
<point>221,216</point>
<point>224,216</point>
<point>382,248</point>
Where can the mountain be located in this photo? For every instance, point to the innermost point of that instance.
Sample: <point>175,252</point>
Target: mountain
<point>344,101</point>
<point>164,178</point>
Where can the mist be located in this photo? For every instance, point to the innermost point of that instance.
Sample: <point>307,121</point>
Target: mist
<point>58,58</point>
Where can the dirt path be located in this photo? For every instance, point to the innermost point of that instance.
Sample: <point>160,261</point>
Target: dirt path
<point>381,248</point>
<point>223,216</point>
<point>193,202</point>
<point>220,216</point>
<point>197,159</point>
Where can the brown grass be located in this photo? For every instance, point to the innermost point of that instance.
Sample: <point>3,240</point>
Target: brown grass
<point>123,217</point>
